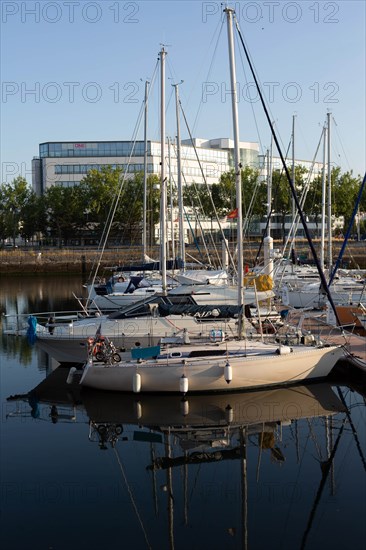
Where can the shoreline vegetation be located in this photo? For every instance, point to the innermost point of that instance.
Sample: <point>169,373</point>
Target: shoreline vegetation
<point>83,260</point>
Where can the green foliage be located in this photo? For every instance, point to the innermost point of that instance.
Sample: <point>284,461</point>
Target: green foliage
<point>63,206</point>
<point>65,213</point>
<point>222,195</point>
<point>14,200</point>
<point>34,216</point>
<point>107,193</point>
<point>281,192</point>
<point>345,188</point>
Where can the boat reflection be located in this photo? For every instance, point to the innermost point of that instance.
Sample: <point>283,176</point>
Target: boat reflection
<point>190,417</point>
<point>208,429</point>
<point>180,443</point>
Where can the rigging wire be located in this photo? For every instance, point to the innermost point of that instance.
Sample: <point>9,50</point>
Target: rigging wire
<point>251,101</point>
<point>207,186</point>
<point>293,190</point>
<point>341,144</point>
<point>325,472</point>
<point>114,204</point>
<point>257,81</point>
<point>185,213</point>
<point>131,497</point>
<point>271,211</point>
<point>219,31</point>
<point>296,220</point>
<point>354,431</point>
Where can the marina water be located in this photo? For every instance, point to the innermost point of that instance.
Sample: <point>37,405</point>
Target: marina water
<point>283,468</point>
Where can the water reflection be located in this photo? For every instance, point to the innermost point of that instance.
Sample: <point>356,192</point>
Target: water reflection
<point>23,295</point>
<point>203,468</point>
<point>90,470</point>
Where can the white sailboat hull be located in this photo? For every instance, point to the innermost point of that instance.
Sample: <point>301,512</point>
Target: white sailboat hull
<point>69,342</point>
<point>308,297</point>
<point>262,366</point>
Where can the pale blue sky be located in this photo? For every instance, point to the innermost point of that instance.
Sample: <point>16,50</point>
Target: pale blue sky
<point>86,63</point>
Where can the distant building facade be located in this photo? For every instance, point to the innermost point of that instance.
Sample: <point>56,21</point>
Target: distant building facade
<point>67,163</point>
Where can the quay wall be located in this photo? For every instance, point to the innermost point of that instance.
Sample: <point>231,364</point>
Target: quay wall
<point>84,260</point>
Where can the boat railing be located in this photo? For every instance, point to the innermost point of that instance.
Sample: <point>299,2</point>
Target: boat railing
<point>19,321</point>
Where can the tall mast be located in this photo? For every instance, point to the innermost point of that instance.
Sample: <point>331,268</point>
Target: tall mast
<point>163,200</point>
<point>293,182</point>
<point>324,191</point>
<point>268,241</point>
<point>180,188</point>
<point>330,247</point>
<point>171,198</point>
<point>269,187</point>
<point>144,246</point>
<point>237,166</point>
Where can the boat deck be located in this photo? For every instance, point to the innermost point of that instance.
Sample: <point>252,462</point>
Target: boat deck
<point>355,343</point>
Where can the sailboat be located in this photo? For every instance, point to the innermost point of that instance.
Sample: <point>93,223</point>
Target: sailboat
<point>217,365</point>
<point>346,290</point>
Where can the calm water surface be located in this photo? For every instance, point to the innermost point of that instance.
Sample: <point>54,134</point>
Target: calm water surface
<point>282,469</point>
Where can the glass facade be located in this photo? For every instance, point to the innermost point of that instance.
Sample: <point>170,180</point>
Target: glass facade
<point>209,171</point>
<point>188,153</point>
<point>91,149</point>
<point>248,157</point>
<point>85,168</point>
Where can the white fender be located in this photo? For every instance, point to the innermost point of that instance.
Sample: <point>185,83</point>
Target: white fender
<point>136,382</point>
<point>283,350</point>
<point>184,407</point>
<point>70,376</point>
<point>228,372</point>
<point>138,410</point>
<point>229,414</point>
<point>183,384</point>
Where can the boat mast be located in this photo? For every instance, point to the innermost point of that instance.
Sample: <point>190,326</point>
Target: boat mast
<point>322,236</point>
<point>163,200</point>
<point>268,241</point>
<point>237,166</point>
<point>182,252</point>
<point>269,187</point>
<point>292,248</point>
<point>144,246</point>
<point>171,199</point>
<point>330,248</point>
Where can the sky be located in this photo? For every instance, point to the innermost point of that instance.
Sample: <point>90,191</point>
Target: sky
<point>76,71</point>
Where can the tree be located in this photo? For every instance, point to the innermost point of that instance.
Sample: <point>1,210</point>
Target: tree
<point>15,197</point>
<point>222,195</point>
<point>282,195</point>
<point>107,194</point>
<point>100,189</point>
<point>64,211</point>
<point>34,217</point>
<point>345,188</point>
